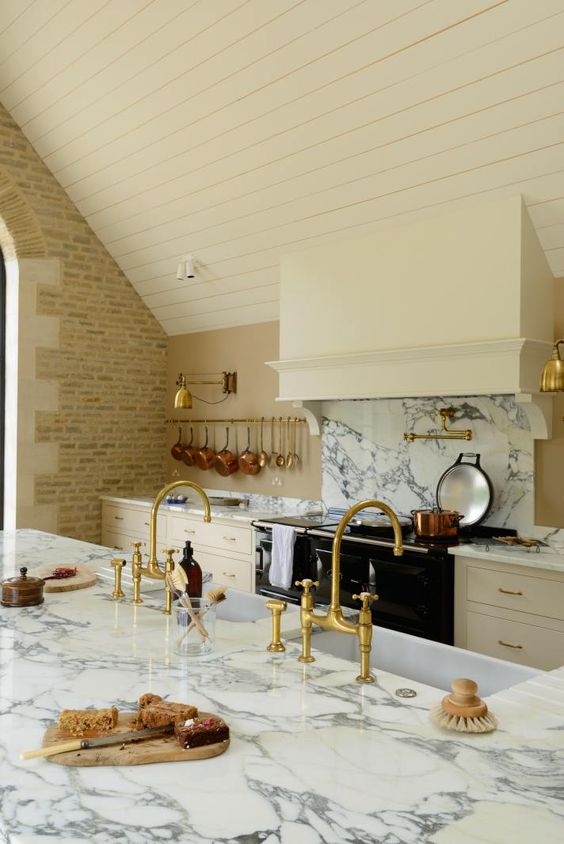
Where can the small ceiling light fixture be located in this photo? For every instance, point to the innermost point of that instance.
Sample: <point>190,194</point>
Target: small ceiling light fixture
<point>185,268</point>
<point>183,398</point>
<point>552,378</point>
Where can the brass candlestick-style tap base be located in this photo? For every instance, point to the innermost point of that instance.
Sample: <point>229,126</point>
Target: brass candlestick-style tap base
<point>118,591</point>
<point>277,608</point>
<point>334,619</point>
<point>152,569</point>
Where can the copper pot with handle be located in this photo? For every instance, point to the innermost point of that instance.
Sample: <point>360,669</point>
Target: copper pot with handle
<point>249,461</point>
<point>436,523</point>
<point>205,456</point>
<point>226,461</point>
<point>190,451</point>
<point>177,449</point>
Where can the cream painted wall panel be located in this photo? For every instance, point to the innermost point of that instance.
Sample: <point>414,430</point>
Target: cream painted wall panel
<point>425,197</point>
<point>363,188</point>
<point>94,27</point>
<point>218,318</point>
<point>544,213</point>
<point>537,285</point>
<point>310,61</point>
<point>399,144</point>
<point>193,291</point>
<point>171,80</point>
<point>556,260</point>
<point>413,92</point>
<point>128,47</point>
<point>379,271</point>
<point>552,237</point>
<point>176,39</point>
<point>350,206</point>
<point>46,39</point>
<point>242,298</point>
<point>21,21</point>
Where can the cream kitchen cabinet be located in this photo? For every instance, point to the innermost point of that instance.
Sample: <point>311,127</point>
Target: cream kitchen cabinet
<point>223,547</point>
<point>513,612</point>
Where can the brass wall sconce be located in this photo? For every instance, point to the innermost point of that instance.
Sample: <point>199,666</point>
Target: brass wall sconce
<point>552,377</point>
<point>183,398</point>
<point>445,413</point>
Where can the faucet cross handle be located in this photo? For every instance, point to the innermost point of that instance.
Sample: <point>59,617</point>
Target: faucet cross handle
<point>307,584</point>
<point>137,545</point>
<point>169,562</point>
<point>366,598</point>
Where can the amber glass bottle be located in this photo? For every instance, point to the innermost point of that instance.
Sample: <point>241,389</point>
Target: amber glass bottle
<point>193,572</point>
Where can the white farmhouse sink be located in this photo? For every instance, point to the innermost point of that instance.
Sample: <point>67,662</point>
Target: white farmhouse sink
<point>426,662</point>
<point>244,606</point>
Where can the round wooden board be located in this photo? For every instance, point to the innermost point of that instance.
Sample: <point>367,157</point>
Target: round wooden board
<point>82,579</point>
<point>161,749</point>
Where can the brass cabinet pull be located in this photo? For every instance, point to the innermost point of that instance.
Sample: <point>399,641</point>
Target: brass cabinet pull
<point>118,518</point>
<point>146,524</point>
<point>508,591</point>
<point>230,538</point>
<point>189,531</point>
<point>228,574</point>
<point>509,645</point>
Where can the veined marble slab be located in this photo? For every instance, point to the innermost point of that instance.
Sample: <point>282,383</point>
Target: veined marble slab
<point>547,559</point>
<point>315,758</point>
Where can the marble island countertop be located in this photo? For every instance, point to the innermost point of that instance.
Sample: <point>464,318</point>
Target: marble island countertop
<point>314,756</point>
<point>547,558</point>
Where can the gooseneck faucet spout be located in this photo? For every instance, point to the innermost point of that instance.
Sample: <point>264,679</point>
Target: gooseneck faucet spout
<point>334,619</point>
<point>152,569</point>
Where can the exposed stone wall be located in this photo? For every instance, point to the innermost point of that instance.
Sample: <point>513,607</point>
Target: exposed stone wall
<point>108,368</point>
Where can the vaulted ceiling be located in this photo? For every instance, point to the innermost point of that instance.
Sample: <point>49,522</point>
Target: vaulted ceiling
<point>238,130</point>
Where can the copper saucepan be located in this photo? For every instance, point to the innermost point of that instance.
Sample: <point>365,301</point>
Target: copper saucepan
<point>177,449</point>
<point>226,461</point>
<point>205,456</point>
<point>436,523</point>
<point>190,451</point>
<point>248,460</point>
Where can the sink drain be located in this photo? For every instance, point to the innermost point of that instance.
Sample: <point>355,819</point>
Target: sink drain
<point>405,693</point>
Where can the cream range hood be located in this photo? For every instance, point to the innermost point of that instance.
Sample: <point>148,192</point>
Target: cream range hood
<point>457,305</point>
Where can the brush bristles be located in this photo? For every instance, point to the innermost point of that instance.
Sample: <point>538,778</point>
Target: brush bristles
<point>216,595</point>
<point>179,578</point>
<point>484,724</point>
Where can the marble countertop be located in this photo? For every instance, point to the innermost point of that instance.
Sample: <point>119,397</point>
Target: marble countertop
<point>314,756</point>
<point>194,508</point>
<point>547,558</point>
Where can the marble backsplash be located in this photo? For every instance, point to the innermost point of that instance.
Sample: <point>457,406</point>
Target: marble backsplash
<point>364,454</point>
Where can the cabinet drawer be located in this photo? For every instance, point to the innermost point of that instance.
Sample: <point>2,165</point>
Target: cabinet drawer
<point>236,573</point>
<point>516,592</point>
<point>515,641</point>
<point>232,538</point>
<point>133,522</point>
<point>117,541</point>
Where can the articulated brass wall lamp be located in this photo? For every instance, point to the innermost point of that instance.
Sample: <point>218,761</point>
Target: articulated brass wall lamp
<point>552,378</point>
<point>183,398</point>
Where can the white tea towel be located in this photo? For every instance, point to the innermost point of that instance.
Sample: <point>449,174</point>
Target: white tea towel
<point>282,559</point>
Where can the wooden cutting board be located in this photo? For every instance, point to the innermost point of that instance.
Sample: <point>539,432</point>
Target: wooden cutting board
<point>82,579</point>
<point>160,749</point>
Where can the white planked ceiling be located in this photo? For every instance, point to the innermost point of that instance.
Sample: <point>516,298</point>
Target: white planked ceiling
<point>237,130</point>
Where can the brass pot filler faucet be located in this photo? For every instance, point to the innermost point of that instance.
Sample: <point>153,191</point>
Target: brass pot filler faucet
<point>334,619</point>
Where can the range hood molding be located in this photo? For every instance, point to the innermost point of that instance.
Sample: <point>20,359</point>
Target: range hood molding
<point>495,367</point>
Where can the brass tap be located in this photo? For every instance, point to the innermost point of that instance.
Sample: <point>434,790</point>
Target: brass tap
<point>277,608</point>
<point>334,619</point>
<point>118,591</point>
<point>152,569</point>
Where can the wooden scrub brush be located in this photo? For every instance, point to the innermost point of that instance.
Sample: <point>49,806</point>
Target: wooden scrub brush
<point>463,710</point>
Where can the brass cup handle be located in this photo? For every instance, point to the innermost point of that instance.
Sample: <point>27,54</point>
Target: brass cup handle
<point>230,538</point>
<point>229,574</point>
<point>189,531</point>
<point>366,598</point>
<point>508,591</point>
<point>118,518</point>
<point>307,584</point>
<point>509,645</point>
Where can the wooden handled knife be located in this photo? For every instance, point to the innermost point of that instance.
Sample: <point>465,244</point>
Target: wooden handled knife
<point>103,741</point>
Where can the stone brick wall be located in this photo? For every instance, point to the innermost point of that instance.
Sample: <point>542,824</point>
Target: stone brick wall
<point>108,368</point>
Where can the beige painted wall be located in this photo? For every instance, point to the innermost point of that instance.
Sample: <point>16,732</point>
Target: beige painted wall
<point>243,349</point>
<point>92,381</point>
<point>549,454</point>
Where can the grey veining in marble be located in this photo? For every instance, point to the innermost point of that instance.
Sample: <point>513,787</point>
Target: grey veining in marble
<point>364,454</point>
<point>314,759</point>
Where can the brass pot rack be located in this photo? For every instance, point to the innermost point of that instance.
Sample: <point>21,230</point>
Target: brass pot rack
<point>248,420</point>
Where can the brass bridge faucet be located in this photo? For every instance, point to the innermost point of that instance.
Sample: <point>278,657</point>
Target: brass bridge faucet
<point>152,569</point>
<point>334,619</point>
